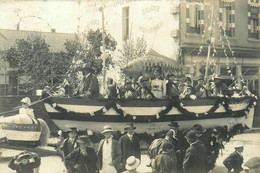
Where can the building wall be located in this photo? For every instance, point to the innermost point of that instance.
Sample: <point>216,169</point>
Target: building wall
<point>151,19</point>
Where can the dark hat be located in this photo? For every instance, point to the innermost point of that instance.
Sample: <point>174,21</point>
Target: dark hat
<point>87,66</point>
<point>73,129</point>
<point>83,139</point>
<point>144,79</point>
<point>188,79</point>
<point>198,127</point>
<point>171,74</point>
<point>174,124</point>
<point>201,78</point>
<point>253,162</point>
<point>157,68</point>
<point>107,128</point>
<point>128,125</point>
<point>192,135</point>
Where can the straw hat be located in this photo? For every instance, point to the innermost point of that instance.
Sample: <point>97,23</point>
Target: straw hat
<point>26,100</point>
<point>107,128</point>
<point>132,163</point>
<point>238,144</point>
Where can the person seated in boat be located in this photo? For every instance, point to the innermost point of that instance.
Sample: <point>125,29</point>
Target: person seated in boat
<point>113,90</point>
<point>144,91</point>
<point>88,87</point>
<point>129,92</point>
<point>187,90</point>
<point>245,91</point>
<point>200,89</point>
<point>171,87</point>
<point>220,86</point>
<point>158,84</point>
<point>25,107</point>
<point>212,88</point>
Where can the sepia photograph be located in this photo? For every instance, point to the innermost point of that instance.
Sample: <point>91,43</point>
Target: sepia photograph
<point>129,86</point>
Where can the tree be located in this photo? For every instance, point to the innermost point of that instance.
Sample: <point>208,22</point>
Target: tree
<point>87,48</point>
<point>134,49</point>
<point>32,59</point>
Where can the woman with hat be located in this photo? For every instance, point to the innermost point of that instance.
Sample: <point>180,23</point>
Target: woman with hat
<point>158,84</point>
<point>25,162</point>
<point>83,159</point>
<point>25,107</point>
<point>131,164</point>
<point>235,160</point>
<point>129,143</point>
<point>109,153</point>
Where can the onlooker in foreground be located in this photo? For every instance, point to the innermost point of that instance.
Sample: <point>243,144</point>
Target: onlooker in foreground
<point>70,144</point>
<point>25,162</point>
<point>253,164</point>
<point>164,162</point>
<point>129,144</point>
<point>131,164</point>
<point>83,159</point>
<point>235,160</point>
<point>109,153</point>
<point>196,155</point>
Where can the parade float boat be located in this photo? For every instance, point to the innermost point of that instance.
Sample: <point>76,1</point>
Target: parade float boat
<point>149,116</point>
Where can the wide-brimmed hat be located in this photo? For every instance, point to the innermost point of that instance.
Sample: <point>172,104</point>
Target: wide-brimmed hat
<point>73,129</point>
<point>129,125</point>
<point>26,100</point>
<point>192,135</point>
<point>201,78</point>
<point>132,163</point>
<point>253,162</point>
<point>174,124</point>
<point>171,74</point>
<point>107,128</point>
<point>83,139</point>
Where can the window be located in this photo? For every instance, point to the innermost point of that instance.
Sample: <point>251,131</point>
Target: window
<point>194,15</point>
<point>253,23</point>
<point>227,17</point>
<point>125,22</point>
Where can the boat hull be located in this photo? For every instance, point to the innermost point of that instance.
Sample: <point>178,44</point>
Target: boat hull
<point>149,116</point>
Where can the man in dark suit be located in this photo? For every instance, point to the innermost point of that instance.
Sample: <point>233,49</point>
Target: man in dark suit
<point>195,160</point>
<point>129,144</point>
<point>200,89</point>
<point>109,153</point>
<point>89,86</point>
<point>70,144</point>
<point>83,159</point>
<point>171,87</point>
<point>235,159</point>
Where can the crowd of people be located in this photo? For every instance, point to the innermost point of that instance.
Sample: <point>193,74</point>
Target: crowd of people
<point>192,150</point>
<point>154,87</point>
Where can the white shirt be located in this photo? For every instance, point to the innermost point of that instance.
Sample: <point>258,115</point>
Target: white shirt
<point>27,111</point>
<point>107,151</point>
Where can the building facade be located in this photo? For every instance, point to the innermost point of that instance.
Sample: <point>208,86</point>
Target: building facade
<point>231,28</point>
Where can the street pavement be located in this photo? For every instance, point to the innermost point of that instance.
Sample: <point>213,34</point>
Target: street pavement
<point>54,164</point>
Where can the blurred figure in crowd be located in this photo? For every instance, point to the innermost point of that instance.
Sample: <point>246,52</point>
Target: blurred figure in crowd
<point>25,162</point>
<point>200,89</point>
<point>129,144</point>
<point>82,159</point>
<point>158,85</point>
<point>144,91</point>
<point>171,87</point>
<point>235,160</point>
<point>109,153</point>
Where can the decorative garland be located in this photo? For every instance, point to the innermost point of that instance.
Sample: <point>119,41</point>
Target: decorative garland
<point>221,101</point>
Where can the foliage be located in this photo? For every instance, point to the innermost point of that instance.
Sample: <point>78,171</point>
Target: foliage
<point>87,48</point>
<point>134,49</point>
<point>33,59</point>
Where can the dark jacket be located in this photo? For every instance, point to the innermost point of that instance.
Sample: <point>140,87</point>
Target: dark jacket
<point>163,163</point>
<point>66,148</point>
<point>28,168</point>
<point>172,91</point>
<point>195,160</point>
<point>89,87</point>
<point>234,161</point>
<point>116,155</point>
<point>129,148</point>
<point>86,164</point>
